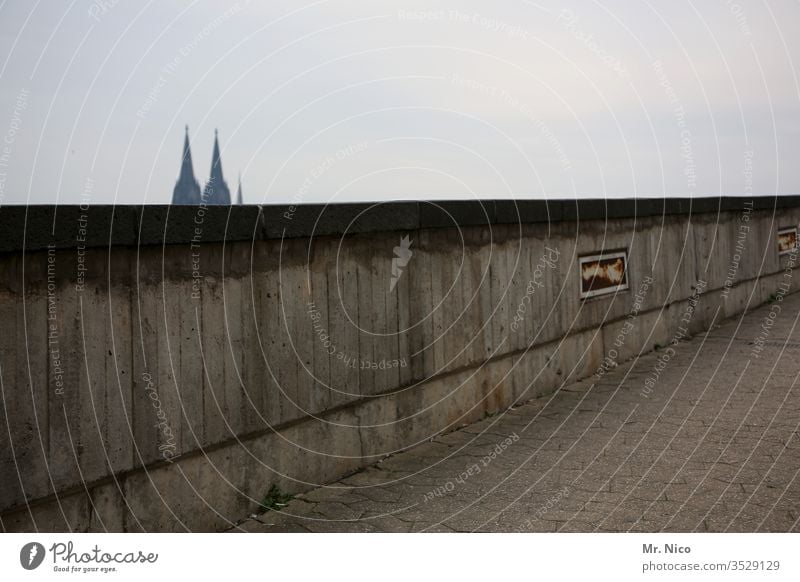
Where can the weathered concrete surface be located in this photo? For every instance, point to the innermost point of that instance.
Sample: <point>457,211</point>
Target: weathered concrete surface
<point>37,227</point>
<point>713,446</point>
<point>196,377</point>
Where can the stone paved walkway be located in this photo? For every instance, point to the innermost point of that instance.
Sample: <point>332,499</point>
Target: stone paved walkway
<point>714,447</point>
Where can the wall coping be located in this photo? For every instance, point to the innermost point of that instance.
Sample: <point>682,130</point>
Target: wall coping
<point>72,226</point>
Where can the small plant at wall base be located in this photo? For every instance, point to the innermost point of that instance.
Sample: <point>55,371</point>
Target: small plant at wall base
<point>274,499</point>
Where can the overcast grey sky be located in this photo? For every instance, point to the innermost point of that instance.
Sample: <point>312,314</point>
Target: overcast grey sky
<point>354,100</point>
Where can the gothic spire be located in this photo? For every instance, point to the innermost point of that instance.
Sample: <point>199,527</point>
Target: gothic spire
<point>187,171</point>
<point>187,190</point>
<point>216,163</point>
<point>216,191</point>
<point>239,191</point>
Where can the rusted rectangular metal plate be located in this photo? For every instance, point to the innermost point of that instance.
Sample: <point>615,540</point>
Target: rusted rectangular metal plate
<point>787,240</point>
<point>603,273</point>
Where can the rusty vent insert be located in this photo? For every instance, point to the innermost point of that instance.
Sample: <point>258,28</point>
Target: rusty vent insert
<point>603,273</point>
<point>787,240</point>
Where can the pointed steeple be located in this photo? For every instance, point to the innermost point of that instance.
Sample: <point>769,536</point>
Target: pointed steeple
<point>239,191</point>
<point>216,191</point>
<point>186,165</point>
<point>216,163</point>
<point>187,189</point>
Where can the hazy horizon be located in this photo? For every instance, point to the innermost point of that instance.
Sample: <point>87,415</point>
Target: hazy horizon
<point>344,101</point>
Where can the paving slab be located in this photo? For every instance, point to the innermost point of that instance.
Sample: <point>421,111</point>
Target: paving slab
<point>713,445</point>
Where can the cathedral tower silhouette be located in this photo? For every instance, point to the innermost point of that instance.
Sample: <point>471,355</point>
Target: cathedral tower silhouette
<point>187,189</point>
<point>216,190</point>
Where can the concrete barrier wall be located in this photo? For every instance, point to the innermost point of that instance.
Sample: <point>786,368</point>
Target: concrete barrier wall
<point>161,368</point>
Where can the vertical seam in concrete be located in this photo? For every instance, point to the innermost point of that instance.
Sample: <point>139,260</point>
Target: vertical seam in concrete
<point>133,281</point>
<point>329,385</point>
<point>433,320</point>
<point>397,322</point>
<point>360,433</point>
<point>358,326</point>
<point>49,364</point>
<point>204,374</point>
<point>695,232</point>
